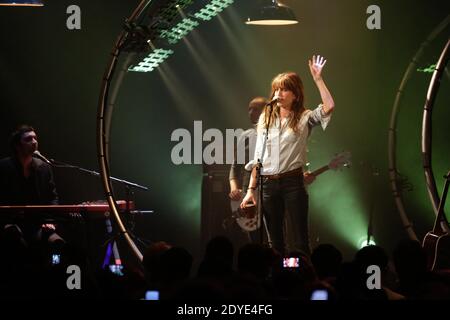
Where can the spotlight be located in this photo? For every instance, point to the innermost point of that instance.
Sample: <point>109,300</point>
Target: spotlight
<point>364,243</point>
<point>272,13</point>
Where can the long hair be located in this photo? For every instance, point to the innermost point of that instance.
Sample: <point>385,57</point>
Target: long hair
<point>290,81</point>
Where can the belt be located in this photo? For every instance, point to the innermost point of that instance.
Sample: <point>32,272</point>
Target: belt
<point>295,172</point>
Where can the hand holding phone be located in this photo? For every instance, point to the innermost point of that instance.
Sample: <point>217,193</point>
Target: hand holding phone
<point>56,259</point>
<point>152,295</point>
<point>320,294</point>
<point>117,269</point>
<point>292,262</point>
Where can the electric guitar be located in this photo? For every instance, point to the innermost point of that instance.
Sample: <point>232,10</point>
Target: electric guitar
<point>248,219</point>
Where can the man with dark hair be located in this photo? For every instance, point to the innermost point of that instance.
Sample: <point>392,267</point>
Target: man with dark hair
<point>26,180</point>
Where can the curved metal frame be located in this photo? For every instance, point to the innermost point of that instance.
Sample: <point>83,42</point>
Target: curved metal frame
<point>105,109</point>
<point>104,116</point>
<point>427,127</point>
<point>392,138</point>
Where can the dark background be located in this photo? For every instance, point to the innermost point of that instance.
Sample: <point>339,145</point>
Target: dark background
<point>50,78</point>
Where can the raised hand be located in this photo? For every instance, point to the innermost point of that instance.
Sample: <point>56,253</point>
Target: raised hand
<point>315,66</point>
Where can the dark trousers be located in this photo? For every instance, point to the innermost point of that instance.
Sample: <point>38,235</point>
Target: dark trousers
<point>286,196</point>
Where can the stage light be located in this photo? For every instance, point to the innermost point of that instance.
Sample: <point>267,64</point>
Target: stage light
<point>212,9</point>
<point>18,3</point>
<point>429,69</point>
<point>364,243</point>
<point>162,29</point>
<point>179,31</point>
<point>152,61</point>
<point>209,10</point>
<point>272,13</point>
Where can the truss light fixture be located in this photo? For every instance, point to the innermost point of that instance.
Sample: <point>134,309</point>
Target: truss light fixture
<point>212,9</point>
<point>152,61</point>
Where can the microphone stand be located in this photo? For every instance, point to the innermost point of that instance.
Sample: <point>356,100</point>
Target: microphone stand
<point>112,248</point>
<point>373,173</point>
<point>59,164</point>
<point>259,178</point>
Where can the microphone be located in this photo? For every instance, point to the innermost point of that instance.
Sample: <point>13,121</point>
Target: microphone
<point>273,101</point>
<point>37,154</point>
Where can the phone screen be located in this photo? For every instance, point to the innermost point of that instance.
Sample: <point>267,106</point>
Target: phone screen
<point>116,269</point>
<point>152,295</point>
<point>56,259</point>
<point>293,262</point>
<point>319,295</point>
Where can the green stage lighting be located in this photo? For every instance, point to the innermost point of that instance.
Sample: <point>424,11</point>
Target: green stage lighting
<point>364,243</point>
<point>212,9</point>
<point>162,29</point>
<point>179,31</point>
<point>152,61</point>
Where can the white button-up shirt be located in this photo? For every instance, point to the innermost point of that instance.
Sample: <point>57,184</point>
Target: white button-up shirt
<point>285,149</point>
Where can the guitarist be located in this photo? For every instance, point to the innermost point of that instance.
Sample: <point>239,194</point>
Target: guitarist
<point>239,177</point>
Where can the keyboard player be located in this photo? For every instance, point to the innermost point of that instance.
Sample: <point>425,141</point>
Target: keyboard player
<point>27,180</point>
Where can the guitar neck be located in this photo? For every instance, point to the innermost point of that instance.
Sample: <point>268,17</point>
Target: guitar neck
<point>441,218</point>
<point>320,170</point>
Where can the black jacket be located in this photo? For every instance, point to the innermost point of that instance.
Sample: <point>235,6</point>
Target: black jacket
<point>15,189</point>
